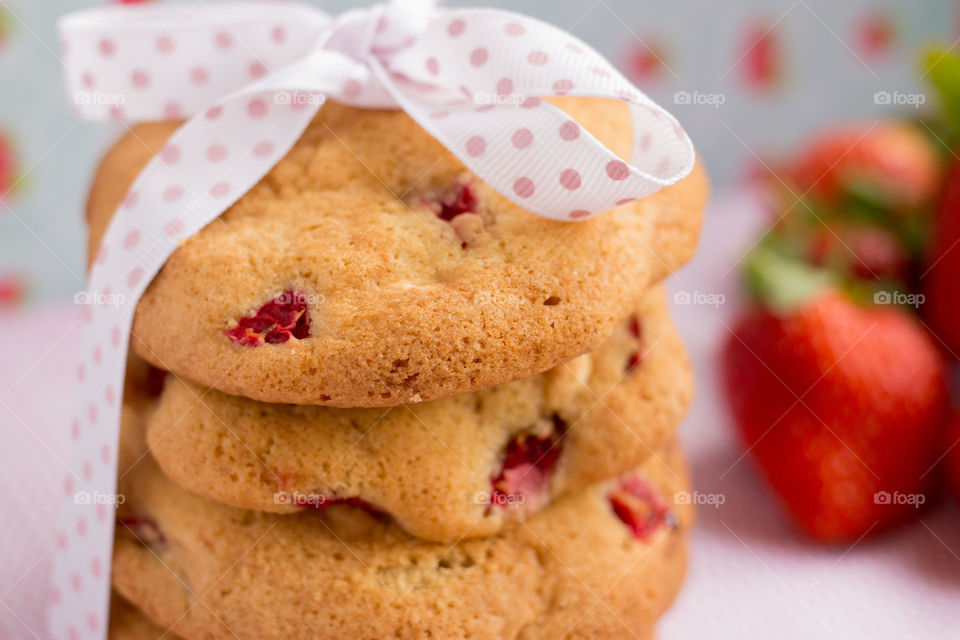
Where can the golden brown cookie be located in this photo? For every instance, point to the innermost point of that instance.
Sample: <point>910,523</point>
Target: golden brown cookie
<point>459,467</point>
<point>601,563</point>
<point>127,623</point>
<point>369,268</point>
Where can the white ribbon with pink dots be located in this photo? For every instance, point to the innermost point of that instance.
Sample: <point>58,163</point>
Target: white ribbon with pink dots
<point>249,77</point>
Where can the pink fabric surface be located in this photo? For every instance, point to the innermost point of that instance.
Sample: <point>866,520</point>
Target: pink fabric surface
<point>37,351</point>
<point>751,575</point>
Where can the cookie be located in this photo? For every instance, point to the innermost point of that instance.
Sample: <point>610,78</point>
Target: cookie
<point>127,623</point>
<point>447,469</point>
<point>604,562</point>
<point>370,268</point>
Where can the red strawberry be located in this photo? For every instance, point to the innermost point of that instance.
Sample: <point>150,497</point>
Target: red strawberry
<point>645,62</point>
<point>891,164</point>
<point>842,407</point>
<point>876,33</point>
<point>951,461</point>
<point>941,281</point>
<point>8,167</point>
<point>13,290</point>
<point>761,57</point>
<point>861,251</point>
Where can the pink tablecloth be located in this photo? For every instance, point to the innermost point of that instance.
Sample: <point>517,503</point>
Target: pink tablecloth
<point>750,575</point>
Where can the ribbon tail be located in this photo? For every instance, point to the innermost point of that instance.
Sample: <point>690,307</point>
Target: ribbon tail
<point>208,164</point>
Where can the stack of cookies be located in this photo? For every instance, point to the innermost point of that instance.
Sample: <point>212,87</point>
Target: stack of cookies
<point>377,399</point>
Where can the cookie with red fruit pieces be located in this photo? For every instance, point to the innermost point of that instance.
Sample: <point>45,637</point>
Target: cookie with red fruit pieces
<point>459,467</point>
<point>407,278</point>
<point>842,406</point>
<point>888,164</point>
<point>221,572</point>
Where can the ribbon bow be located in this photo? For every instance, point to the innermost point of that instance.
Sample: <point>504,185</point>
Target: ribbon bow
<point>249,77</point>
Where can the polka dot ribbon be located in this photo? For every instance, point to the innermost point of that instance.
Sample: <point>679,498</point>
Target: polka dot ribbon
<point>248,78</point>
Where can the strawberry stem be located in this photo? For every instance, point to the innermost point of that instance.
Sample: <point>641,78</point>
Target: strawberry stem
<point>782,284</point>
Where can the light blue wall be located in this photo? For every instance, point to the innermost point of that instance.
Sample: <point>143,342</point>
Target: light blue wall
<point>826,76</point>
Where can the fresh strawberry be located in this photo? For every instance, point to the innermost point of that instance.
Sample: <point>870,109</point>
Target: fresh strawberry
<point>891,165</point>
<point>8,167</point>
<point>761,59</point>
<point>876,33</point>
<point>951,460</point>
<point>13,290</point>
<point>842,406</point>
<point>941,281</point>
<point>645,61</point>
<point>860,251</point>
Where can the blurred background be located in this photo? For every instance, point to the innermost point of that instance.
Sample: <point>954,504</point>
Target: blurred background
<point>748,78</point>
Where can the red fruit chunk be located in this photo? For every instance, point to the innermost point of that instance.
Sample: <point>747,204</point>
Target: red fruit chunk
<point>641,507</point>
<point>145,529</point>
<point>636,331</point>
<point>528,461</point>
<point>460,207</point>
<point>155,379</point>
<point>274,323</point>
<point>461,199</point>
<point>323,502</point>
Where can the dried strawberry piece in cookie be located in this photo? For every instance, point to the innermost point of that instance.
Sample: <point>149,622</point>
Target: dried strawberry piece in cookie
<point>528,461</point>
<point>275,322</point>
<point>635,327</point>
<point>322,502</point>
<point>459,200</point>
<point>154,381</point>
<point>641,507</point>
<point>144,529</point>
<point>460,207</point>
